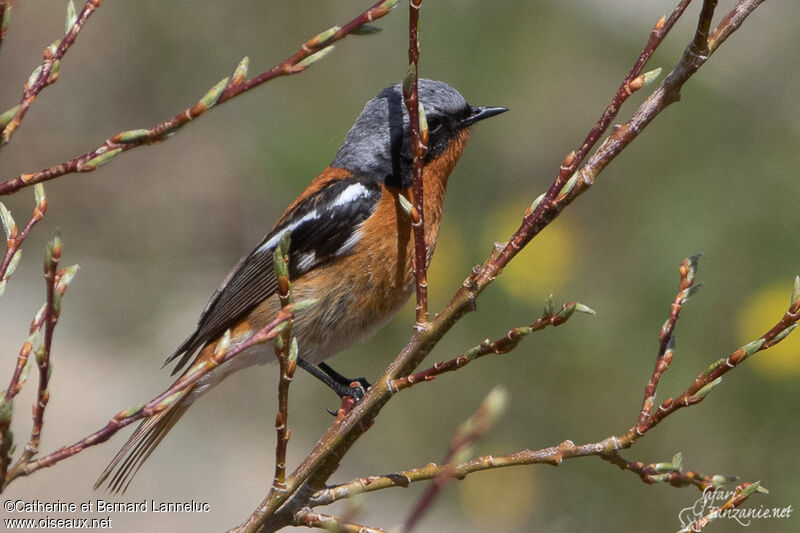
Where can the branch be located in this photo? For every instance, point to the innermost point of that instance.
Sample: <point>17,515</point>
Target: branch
<point>14,238</point>
<point>666,348</point>
<point>286,352</point>
<point>323,460</point>
<point>419,146</point>
<point>327,522</point>
<point>461,447</point>
<point>501,346</point>
<point>740,495</point>
<point>47,73</point>
<point>313,50</point>
<point>221,355</point>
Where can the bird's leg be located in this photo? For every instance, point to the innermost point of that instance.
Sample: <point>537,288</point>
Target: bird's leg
<point>342,386</point>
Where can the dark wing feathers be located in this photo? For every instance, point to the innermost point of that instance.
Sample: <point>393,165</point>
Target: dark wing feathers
<point>323,225</point>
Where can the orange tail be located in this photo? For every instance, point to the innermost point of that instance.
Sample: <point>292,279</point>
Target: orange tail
<point>140,445</point>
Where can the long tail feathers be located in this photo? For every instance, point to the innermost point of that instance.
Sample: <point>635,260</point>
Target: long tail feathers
<point>140,445</point>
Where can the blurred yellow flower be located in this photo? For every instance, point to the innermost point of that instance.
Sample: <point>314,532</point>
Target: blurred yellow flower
<point>501,499</point>
<point>757,315</point>
<point>540,268</point>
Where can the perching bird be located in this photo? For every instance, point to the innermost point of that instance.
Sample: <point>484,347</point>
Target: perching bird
<point>352,251</point>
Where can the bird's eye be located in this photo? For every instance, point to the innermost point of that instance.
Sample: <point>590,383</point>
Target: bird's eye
<point>434,125</point>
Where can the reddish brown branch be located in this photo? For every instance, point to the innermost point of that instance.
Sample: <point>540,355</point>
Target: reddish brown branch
<point>686,288</point>
<point>52,311</point>
<point>740,495</point>
<point>48,70</point>
<point>667,473</point>
<point>159,403</point>
<point>15,238</point>
<point>419,146</point>
<point>632,82</point>
<point>221,93</point>
<point>500,346</point>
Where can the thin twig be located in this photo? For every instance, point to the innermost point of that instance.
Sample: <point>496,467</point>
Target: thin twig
<point>419,146</point>
<point>333,523</point>
<point>162,401</point>
<point>15,238</point>
<point>52,311</point>
<point>460,448</point>
<point>225,90</point>
<point>286,352</point>
<point>48,70</point>
<point>500,346</point>
<point>740,495</point>
<point>666,347</point>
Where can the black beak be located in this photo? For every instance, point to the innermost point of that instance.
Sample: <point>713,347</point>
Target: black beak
<point>480,113</point>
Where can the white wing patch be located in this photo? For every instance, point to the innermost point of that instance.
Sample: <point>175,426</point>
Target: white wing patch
<point>306,261</point>
<point>350,242</point>
<point>350,194</point>
<point>273,241</point>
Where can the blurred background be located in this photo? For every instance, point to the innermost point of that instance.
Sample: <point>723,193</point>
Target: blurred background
<point>156,230</point>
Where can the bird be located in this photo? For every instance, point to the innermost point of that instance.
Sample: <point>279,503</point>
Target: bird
<point>351,252</point>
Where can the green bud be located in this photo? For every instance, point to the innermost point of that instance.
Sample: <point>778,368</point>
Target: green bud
<point>708,388</point>
<point>293,350</point>
<point>567,311</point>
<point>213,95</point>
<point>405,204</point>
<point>408,81</point>
<point>313,58</point>
<point>423,120</point>
<point>38,194</point>
<point>536,203</point>
<point>240,73</point>
<point>690,291</point>
<point>568,186</point>
<point>12,265</point>
<point>754,487</point>
<point>8,221</point>
<point>651,76</point>
<point>131,135</point>
<point>323,37</point>
<point>6,19</point>
<point>784,333</point>
<point>34,76</point>
<point>99,160</point>
<point>6,409</point>
<point>549,306</point>
<point>71,18</point>
<point>6,117</point>
<point>752,347</point>
<point>584,309</point>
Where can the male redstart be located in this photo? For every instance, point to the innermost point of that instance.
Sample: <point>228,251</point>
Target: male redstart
<point>352,252</point>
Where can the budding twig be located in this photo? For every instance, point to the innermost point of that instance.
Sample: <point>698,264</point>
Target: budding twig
<point>47,73</point>
<point>159,403</point>
<point>419,146</point>
<point>227,89</point>
<point>286,352</point>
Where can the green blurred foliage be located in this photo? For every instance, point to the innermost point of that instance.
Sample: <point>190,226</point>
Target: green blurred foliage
<point>158,228</point>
